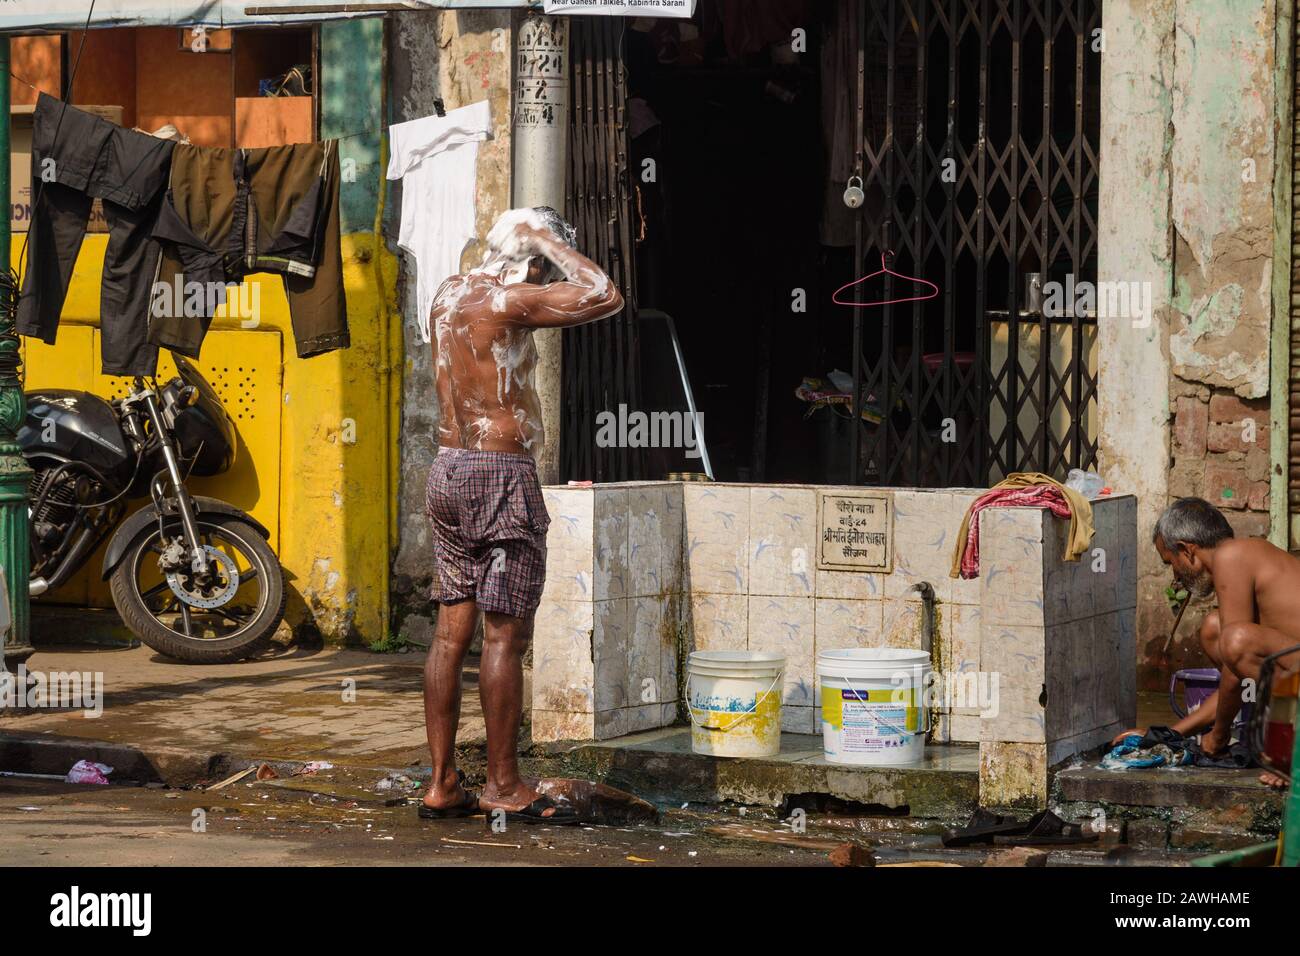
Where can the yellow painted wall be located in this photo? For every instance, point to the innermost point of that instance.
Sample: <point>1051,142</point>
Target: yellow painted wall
<point>329,482</point>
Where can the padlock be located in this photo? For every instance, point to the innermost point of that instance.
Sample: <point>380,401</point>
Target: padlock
<point>853,196</point>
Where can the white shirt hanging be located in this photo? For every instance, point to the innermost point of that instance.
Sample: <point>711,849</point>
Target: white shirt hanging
<point>436,158</point>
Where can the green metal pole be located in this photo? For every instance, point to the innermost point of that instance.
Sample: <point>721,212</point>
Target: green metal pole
<point>15,556</point>
<point>1291,813</point>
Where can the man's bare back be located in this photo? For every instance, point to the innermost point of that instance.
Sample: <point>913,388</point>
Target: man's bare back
<point>1256,573</point>
<point>485,359</point>
<point>486,368</point>
<point>1258,589</point>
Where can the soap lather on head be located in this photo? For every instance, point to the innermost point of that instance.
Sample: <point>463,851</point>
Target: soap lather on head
<point>513,259</point>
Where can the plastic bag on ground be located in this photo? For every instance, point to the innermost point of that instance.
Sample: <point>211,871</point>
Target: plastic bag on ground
<point>87,771</point>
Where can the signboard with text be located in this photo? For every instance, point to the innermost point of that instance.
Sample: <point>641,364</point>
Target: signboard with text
<point>855,531</point>
<point>54,15</point>
<point>684,9</point>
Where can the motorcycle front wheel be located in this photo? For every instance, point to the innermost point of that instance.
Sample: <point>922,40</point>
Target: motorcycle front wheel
<point>225,617</point>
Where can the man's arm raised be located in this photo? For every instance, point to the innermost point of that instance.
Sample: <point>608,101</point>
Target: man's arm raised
<point>584,295</point>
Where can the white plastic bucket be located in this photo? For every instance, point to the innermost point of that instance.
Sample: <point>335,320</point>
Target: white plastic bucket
<point>734,701</point>
<point>873,705</point>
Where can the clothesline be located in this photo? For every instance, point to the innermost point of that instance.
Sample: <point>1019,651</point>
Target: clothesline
<point>281,202</point>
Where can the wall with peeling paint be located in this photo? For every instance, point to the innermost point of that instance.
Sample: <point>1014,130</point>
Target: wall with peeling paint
<point>461,57</point>
<point>1190,110</point>
<point>337,422</point>
<point>1222,198</point>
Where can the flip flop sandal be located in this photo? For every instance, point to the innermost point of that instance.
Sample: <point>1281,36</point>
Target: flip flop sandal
<point>533,813</point>
<point>982,827</point>
<point>468,806</point>
<point>1047,829</point>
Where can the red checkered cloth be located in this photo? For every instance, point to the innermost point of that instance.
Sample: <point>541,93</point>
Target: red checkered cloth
<point>1036,496</point>
<point>489,530</point>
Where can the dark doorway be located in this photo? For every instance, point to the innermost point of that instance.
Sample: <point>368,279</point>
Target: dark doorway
<point>729,169</point>
<point>723,147</point>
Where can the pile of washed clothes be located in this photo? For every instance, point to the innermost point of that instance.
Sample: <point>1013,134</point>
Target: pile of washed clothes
<point>1163,747</point>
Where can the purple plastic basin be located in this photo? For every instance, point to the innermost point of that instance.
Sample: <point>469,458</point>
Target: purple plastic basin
<point>1198,684</point>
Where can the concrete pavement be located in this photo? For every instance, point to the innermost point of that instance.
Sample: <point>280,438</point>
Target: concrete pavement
<point>343,705</point>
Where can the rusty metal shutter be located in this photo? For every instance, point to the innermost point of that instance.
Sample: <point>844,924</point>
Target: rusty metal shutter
<point>601,360</point>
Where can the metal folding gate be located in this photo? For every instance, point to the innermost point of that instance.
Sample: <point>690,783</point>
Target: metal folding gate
<point>978,125</point>
<point>601,360</point>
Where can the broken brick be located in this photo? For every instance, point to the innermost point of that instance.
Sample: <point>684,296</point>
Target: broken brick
<point>1193,837</point>
<point>1249,524</point>
<point>1147,831</point>
<point>1226,407</point>
<point>851,854</point>
<point>1257,497</point>
<point>1234,436</point>
<point>1191,420</point>
<point>1225,486</point>
<point>1017,856</point>
<point>1186,478</point>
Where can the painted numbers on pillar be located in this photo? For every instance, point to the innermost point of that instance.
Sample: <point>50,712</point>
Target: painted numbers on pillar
<point>542,69</point>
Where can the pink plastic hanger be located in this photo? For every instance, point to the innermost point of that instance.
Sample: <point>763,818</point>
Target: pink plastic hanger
<point>885,270</point>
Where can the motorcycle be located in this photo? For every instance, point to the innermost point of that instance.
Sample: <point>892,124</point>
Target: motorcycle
<point>193,577</point>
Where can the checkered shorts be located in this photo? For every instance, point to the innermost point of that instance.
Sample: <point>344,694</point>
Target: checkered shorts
<point>489,529</point>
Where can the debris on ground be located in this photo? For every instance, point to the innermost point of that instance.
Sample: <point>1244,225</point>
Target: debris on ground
<point>851,854</point>
<point>266,772</point>
<point>735,831</point>
<point>87,771</point>
<point>313,766</point>
<point>916,863</point>
<point>597,802</point>
<point>508,846</point>
<point>1017,856</point>
<point>233,778</point>
<point>397,781</point>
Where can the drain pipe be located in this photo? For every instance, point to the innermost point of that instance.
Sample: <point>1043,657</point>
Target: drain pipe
<point>927,616</point>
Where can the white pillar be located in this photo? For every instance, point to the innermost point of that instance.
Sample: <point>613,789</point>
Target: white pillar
<point>541,160</point>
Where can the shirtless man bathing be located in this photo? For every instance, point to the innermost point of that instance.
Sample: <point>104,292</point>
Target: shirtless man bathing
<point>483,497</point>
<point>1258,588</point>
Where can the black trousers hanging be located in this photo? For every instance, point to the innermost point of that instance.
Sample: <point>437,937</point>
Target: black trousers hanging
<point>92,158</point>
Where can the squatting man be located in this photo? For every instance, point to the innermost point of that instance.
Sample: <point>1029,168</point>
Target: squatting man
<point>483,496</point>
<point>1258,589</point>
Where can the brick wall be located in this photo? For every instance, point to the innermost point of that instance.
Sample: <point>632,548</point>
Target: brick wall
<point>1220,452</point>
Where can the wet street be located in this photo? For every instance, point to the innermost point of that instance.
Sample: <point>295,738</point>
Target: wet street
<point>288,709</point>
<point>332,820</point>
<point>49,823</point>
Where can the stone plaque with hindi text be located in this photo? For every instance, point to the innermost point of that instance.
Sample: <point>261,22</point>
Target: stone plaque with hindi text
<point>855,531</point>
